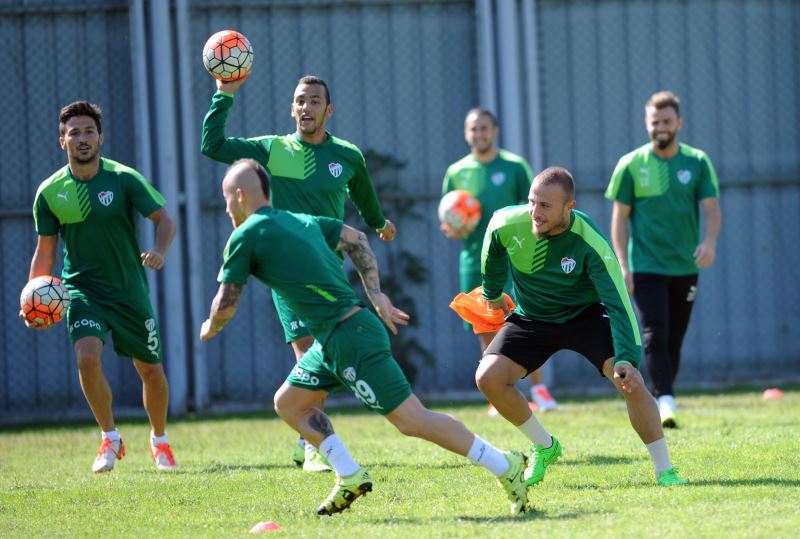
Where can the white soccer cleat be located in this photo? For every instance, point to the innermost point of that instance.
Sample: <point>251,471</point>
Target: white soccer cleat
<point>163,457</point>
<point>109,452</point>
<point>543,399</point>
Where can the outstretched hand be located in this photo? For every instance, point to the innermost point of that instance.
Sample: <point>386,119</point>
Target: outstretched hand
<point>391,315</point>
<point>230,87</point>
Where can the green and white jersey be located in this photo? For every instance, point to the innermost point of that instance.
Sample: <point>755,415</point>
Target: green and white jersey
<point>663,195</point>
<point>306,178</point>
<point>96,219</point>
<point>294,255</point>
<point>555,279</point>
<point>503,182</point>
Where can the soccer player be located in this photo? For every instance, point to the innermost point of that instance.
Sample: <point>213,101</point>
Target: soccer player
<point>570,295</point>
<point>312,172</point>
<point>296,255</point>
<point>92,203</point>
<point>497,178</point>
<point>656,190</point>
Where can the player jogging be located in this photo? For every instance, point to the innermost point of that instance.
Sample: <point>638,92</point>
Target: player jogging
<point>92,204</point>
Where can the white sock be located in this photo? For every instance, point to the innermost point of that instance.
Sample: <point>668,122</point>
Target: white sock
<point>534,431</point>
<point>336,452</point>
<point>113,435</point>
<point>668,400</point>
<point>155,441</point>
<point>488,456</point>
<point>660,455</point>
<point>308,447</point>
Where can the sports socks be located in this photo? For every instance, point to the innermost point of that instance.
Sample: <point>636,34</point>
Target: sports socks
<point>333,449</point>
<point>155,441</point>
<point>488,456</point>
<point>112,435</point>
<point>660,455</point>
<point>534,431</point>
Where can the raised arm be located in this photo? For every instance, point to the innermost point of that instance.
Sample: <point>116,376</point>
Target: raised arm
<point>223,307</point>
<point>354,244</point>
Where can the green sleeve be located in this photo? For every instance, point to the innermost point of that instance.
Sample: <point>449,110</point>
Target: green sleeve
<point>605,273</point>
<point>331,228</point>
<point>362,193</point>
<point>494,265</point>
<point>620,188</point>
<point>46,223</point>
<point>145,198</point>
<point>237,260</point>
<point>709,184</point>
<point>217,146</point>
<point>447,184</point>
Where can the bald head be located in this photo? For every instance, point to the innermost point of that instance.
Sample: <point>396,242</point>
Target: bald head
<point>246,189</point>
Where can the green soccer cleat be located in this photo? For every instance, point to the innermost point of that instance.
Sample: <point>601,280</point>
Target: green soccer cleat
<point>315,461</point>
<point>539,459</point>
<point>670,478</point>
<point>513,483</point>
<point>345,492</point>
<point>299,453</point>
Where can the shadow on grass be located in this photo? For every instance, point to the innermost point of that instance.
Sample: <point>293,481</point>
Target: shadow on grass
<point>531,515</point>
<point>764,481</point>
<point>601,460</point>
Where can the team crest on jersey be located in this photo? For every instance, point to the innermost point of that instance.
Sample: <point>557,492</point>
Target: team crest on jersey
<point>498,178</point>
<point>567,264</point>
<point>105,197</point>
<point>684,176</point>
<point>335,169</point>
<point>150,324</point>
<point>349,374</point>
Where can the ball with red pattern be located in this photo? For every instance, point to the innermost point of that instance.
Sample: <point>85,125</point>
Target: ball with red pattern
<point>228,55</point>
<point>44,300</point>
<point>460,211</point>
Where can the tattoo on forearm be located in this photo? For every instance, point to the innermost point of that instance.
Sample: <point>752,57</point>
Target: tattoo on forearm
<point>320,423</point>
<point>364,261</point>
<point>230,295</point>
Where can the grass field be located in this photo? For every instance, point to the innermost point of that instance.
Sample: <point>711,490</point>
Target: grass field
<point>739,452</point>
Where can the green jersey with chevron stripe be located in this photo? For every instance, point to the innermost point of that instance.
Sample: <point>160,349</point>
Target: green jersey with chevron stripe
<point>96,219</point>
<point>557,278</point>
<point>503,182</point>
<point>306,178</point>
<point>663,195</point>
<point>293,254</point>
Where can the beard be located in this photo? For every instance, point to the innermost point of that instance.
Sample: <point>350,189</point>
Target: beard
<point>663,143</point>
<point>86,160</point>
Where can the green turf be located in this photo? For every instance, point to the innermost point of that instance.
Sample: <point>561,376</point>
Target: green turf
<point>739,452</point>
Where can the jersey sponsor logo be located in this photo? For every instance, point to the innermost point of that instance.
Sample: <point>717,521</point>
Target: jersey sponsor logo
<point>105,197</point>
<point>152,336</point>
<point>84,322</point>
<point>684,176</point>
<point>567,264</point>
<point>335,169</point>
<point>349,374</point>
<point>304,376</point>
<point>498,178</point>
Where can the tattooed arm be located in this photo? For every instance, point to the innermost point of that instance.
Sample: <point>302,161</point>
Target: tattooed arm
<point>354,243</point>
<point>222,309</point>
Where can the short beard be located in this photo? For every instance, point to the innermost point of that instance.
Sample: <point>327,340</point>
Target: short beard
<point>87,160</point>
<point>664,144</point>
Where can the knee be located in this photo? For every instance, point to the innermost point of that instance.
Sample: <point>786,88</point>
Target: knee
<point>487,381</point>
<point>88,360</point>
<point>282,403</point>
<point>408,427</point>
<point>153,374</point>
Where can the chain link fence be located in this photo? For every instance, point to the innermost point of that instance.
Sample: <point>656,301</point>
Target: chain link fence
<point>402,74</point>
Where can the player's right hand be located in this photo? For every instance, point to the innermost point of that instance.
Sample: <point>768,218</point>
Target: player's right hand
<point>391,315</point>
<point>628,277</point>
<point>499,304</point>
<point>33,325</point>
<point>452,234</point>
<point>231,86</point>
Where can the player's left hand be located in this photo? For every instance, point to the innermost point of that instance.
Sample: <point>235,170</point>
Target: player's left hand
<point>499,304</point>
<point>704,255</point>
<point>34,325</point>
<point>627,377</point>
<point>207,330</point>
<point>152,259</point>
<point>391,315</point>
<point>388,232</point>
